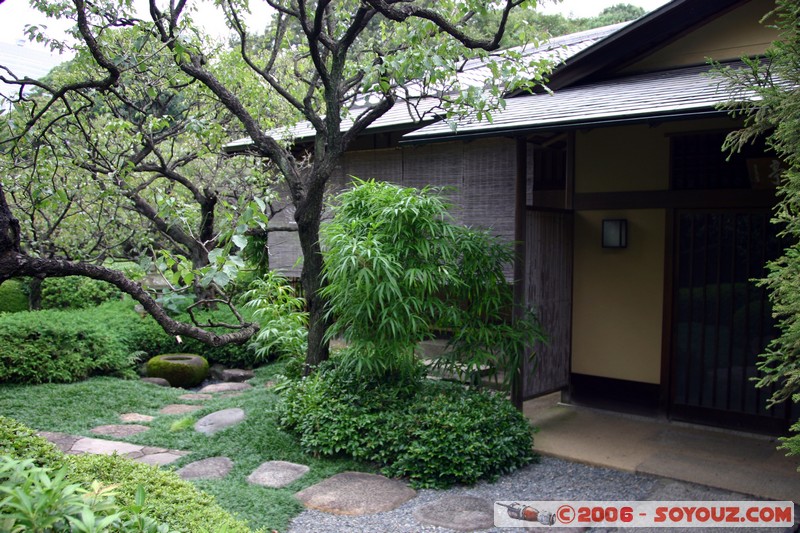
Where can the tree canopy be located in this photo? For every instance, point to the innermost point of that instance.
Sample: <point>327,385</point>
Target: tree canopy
<point>770,104</point>
<point>339,65</point>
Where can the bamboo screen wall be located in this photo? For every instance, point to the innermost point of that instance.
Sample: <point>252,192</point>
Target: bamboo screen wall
<point>548,272</point>
<point>479,178</point>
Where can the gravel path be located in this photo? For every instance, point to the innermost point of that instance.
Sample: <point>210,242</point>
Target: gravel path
<point>550,479</point>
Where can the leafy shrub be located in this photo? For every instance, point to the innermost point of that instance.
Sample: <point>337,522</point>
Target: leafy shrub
<point>170,500</point>
<point>12,296</point>
<point>180,369</point>
<point>280,314</point>
<point>436,433</point>
<point>148,337</point>
<point>37,499</point>
<point>76,292</point>
<point>21,442</point>
<point>397,268</point>
<point>60,346</point>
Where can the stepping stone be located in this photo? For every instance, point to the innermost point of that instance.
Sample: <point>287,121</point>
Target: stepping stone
<point>462,513</point>
<point>104,447</point>
<point>195,396</point>
<point>236,375</point>
<point>118,430</point>
<point>224,387</point>
<point>158,459</point>
<point>135,417</point>
<point>356,493</point>
<point>219,420</point>
<point>277,474</point>
<point>161,382</point>
<point>63,441</point>
<point>179,409</point>
<point>211,468</point>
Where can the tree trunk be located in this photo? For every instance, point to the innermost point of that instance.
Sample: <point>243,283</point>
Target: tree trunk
<point>35,294</point>
<point>307,215</point>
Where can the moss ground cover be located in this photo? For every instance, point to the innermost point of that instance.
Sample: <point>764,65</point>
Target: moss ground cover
<point>77,407</point>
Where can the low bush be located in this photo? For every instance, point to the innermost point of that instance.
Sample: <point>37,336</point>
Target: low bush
<point>21,442</point>
<point>39,499</point>
<point>434,433</point>
<point>76,292</point>
<point>169,499</point>
<point>55,346</point>
<point>12,296</point>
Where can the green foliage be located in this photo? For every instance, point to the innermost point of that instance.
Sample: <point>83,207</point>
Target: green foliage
<point>12,296</point>
<point>149,337</point>
<point>436,434</point>
<point>180,369</point>
<point>776,115</point>
<point>60,346</point>
<point>21,442</point>
<point>76,292</point>
<point>281,315</point>
<point>397,268</point>
<point>39,500</point>
<point>172,501</point>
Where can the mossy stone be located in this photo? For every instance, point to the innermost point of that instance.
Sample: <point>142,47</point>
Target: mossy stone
<point>180,369</point>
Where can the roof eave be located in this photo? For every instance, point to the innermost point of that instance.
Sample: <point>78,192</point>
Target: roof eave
<point>567,126</point>
<point>637,39</point>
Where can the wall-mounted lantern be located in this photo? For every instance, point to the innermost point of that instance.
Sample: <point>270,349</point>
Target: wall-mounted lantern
<point>615,233</point>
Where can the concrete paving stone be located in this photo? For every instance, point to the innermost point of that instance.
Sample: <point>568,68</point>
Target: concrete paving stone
<point>63,441</point>
<point>153,449</point>
<point>179,409</point>
<point>119,430</point>
<point>277,474</point>
<point>135,417</point>
<point>461,513</point>
<point>210,468</point>
<point>195,396</point>
<point>161,382</point>
<point>219,420</point>
<point>104,447</point>
<point>158,459</point>
<point>356,493</point>
<point>224,387</point>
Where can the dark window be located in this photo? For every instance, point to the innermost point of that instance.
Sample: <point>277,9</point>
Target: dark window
<point>698,162</point>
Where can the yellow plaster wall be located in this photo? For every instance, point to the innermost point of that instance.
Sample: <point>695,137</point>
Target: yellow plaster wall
<point>618,297</point>
<point>632,158</point>
<point>733,35</point>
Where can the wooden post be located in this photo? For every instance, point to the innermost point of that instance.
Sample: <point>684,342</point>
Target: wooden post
<point>520,223</point>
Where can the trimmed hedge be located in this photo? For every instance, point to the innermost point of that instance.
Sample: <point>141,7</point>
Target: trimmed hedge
<point>434,433</point>
<point>170,500</point>
<point>12,296</point>
<point>21,442</point>
<point>62,346</point>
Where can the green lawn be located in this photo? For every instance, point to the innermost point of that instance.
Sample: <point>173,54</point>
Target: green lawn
<point>76,408</point>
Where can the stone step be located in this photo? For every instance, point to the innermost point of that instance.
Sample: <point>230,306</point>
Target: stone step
<point>210,468</point>
<point>356,493</point>
<point>219,420</point>
<point>277,474</point>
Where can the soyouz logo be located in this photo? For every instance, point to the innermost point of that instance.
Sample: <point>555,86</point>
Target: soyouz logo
<point>644,514</point>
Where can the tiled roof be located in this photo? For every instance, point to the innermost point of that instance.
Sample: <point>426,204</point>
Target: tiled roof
<point>669,92</point>
<point>427,109</point>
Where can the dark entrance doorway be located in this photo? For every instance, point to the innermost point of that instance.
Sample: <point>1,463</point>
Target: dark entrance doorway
<point>722,320</point>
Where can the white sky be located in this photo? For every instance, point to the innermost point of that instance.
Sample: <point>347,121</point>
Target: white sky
<point>15,14</point>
